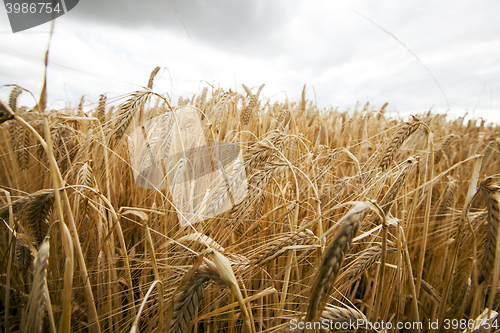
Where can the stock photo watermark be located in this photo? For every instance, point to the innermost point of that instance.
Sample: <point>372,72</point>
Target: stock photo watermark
<point>26,14</point>
<point>171,152</point>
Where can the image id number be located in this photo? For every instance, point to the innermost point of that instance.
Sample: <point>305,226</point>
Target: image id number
<point>463,324</point>
<point>40,7</point>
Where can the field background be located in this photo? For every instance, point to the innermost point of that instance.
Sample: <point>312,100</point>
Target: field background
<point>426,248</point>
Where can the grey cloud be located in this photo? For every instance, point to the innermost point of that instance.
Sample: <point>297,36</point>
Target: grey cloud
<point>232,25</point>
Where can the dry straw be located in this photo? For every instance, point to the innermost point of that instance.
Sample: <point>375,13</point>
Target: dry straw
<point>434,257</point>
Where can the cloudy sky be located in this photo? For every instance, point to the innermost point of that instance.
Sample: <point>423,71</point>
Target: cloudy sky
<point>447,58</point>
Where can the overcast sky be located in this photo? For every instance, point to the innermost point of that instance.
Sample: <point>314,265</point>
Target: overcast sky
<point>112,46</point>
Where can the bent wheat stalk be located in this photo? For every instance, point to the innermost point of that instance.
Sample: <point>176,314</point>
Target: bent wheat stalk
<point>227,276</point>
<point>135,324</point>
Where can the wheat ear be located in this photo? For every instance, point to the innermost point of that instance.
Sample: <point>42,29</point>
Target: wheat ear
<point>492,146</point>
<point>22,147</point>
<point>447,201</point>
<point>397,141</point>
<point>332,259</point>
<point>23,253</point>
<point>251,106</point>
<point>13,98</point>
<point>341,315</point>
<point>89,240</point>
<point>326,165</point>
<point>393,191</point>
<point>101,109</point>
<point>247,111</point>
<point>430,291</point>
<point>128,109</point>
<point>33,210</point>
<point>218,111</point>
<point>366,260</point>
<point>302,238</point>
<point>442,148</point>
<point>189,294</point>
<point>256,187</point>
<point>152,77</point>
<point>493,203</point>
<point>38,296</point>
<point>264,150</point>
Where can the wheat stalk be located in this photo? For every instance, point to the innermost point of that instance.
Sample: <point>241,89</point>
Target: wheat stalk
<point>227,276</point>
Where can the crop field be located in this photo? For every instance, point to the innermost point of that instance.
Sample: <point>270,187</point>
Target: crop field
<point>347,218</point>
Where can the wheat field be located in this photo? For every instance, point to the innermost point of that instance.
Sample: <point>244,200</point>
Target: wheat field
<point>350,217</point>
